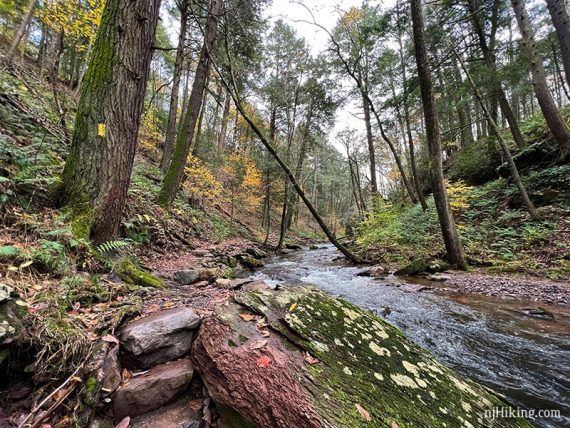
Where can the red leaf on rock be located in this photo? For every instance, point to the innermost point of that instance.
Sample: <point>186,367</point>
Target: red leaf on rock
<point>310,359</point>
<point>263,361</point>
<point>247,317</point>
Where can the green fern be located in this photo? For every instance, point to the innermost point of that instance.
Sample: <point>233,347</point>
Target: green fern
<point>111,246</point>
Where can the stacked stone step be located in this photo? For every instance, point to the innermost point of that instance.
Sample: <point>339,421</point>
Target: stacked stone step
<point>159,346</point>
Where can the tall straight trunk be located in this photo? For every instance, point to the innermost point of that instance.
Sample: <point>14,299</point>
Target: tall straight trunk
<point>497,89</point>
<point>563,83</point>
<point>173,108</point>
<point>54,55</point>
<point>561,20</point>
<point>97,171</point>
<point>547,105</point>
<point>199,125</point>
<point>173,177</point>
<point>22,29</point>
<point>411,148</point>
<point>506,152</point>
<point>184,99</point>
<point>224,125</point>
<point>370,140</point>
<point>453,245</point>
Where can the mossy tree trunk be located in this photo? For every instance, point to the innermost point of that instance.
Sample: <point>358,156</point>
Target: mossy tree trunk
<point>97,171</point>
<point>451,239</point>
<point>171,125</point>
<point>175,172</point>
<point>547,105</point>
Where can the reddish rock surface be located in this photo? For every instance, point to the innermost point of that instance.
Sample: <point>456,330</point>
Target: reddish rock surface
<point>149,391</point>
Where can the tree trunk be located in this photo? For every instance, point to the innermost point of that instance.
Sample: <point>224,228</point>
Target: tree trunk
<point>561,20</point>
<point>497,89</point>
<point>370,140</point>
<point>173,109</point>
<point>411,147</point>
<point>22,29</point>
<point>549,110</point>
<point>175,171</point>
<point>495,129</point>
<point>54,54</point>
<point>97,171</point>
<point>449,231</point>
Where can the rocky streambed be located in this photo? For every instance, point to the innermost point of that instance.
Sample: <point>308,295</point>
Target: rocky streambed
<point>271,350</point>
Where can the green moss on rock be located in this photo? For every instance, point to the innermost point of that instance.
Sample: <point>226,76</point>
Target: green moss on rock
<point>366,363</point>
<point>132,275</point>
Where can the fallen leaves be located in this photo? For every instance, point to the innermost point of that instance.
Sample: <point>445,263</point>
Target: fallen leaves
<point>394,425</point>
<point>364,413</point>
<point>126,375</point>
<point>263,361</point>
<point>110,338</point>
<point>292,307</point>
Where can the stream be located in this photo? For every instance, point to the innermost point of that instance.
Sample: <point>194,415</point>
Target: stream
<point>484,338</point>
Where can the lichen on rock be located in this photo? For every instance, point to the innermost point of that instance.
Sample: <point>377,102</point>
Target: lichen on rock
<point>355,358</point>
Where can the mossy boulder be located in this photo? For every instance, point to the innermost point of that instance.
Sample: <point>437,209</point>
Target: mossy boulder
<point>421,265</point>
<point>12,312</point>
<point>323,362</point>
<point>133,275</point>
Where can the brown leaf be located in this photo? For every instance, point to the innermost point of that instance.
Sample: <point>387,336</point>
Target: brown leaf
<point>264,333</point>
<point>310,359</point>
<point>259,344</point>
<point>263,361</point>
<point>365,415</point>
<point>247,317</point>
<point>126,375</point>
<point>195,405</point>
<point>394,425</point>
<point>110,338</point>
<point>261,323</point>
<point>125,422</point>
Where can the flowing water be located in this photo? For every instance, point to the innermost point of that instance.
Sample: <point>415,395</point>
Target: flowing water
<point>484,338</point>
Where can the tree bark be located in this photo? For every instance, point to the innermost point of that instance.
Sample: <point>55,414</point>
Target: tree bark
<point>97,171</point>
<point>507,153</point>
<point>547,105</point>
<point>175,171</point>
<point>453,245</point>
<point>171,125</point>
<point>22,29</point>
<point>561,20</point>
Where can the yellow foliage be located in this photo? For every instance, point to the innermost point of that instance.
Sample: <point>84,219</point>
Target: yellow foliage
<point>149,133</point>
<point>200,181</point>
<point>459,195</point>
<point>78,19</point>
<point>352,16</point>
<point>243,180</point>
